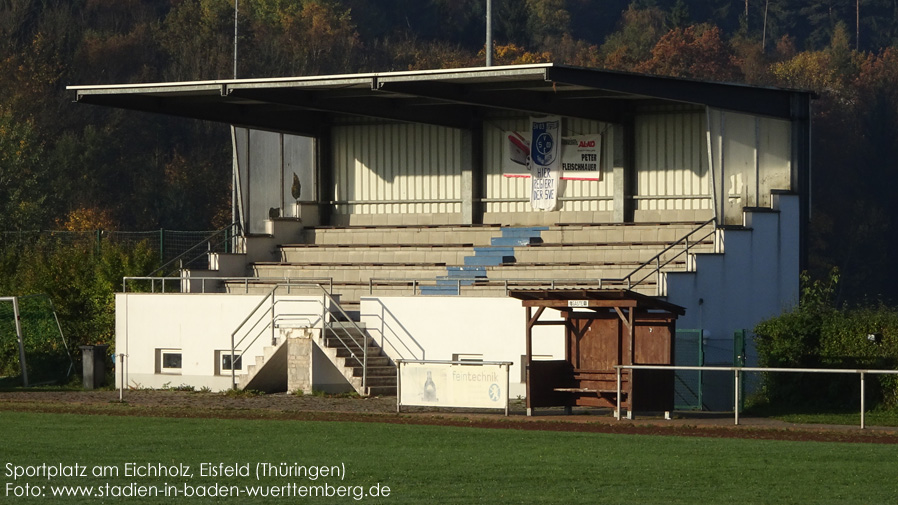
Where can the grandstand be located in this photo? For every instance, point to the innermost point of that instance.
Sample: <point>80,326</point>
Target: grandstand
<point>386,216</point>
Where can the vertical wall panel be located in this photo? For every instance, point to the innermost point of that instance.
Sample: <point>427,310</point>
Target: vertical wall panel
<point>751,157</point>
<point>403,169</point>
<point>670,161</point>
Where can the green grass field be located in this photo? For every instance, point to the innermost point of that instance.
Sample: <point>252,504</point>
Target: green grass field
<point>428,464</point>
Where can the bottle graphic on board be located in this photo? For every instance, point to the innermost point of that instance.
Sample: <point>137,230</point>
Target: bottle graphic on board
<point>430,389</point>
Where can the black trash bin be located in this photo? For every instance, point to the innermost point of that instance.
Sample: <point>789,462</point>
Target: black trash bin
<point>93,358</point>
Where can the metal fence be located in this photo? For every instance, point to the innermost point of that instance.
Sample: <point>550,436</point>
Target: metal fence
<point>169,243</point>
<point>738,372</point>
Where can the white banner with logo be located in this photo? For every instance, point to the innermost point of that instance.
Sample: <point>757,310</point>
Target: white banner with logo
<point>545,162</point>
<point>453,384</point>
<point>580,156</point>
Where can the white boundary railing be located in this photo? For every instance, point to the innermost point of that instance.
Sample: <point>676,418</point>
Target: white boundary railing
<point>737,372</point>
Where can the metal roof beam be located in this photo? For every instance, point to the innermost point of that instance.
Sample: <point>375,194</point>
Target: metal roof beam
<point>540,102</point>
<point>376,107</point>
<point>303,123</point>
<point>739,98</point>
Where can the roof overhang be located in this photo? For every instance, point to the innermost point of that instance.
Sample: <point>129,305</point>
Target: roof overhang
<point>594,299</point>
<point>457,98</point>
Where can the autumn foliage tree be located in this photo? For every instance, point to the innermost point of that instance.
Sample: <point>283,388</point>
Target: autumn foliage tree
<point>695,52</point>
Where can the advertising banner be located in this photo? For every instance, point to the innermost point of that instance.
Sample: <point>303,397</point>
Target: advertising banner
<point>545,162</point>
<point>446,384</point>
<point>580,156</point>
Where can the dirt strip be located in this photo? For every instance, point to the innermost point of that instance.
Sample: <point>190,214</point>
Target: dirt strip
<point>184,404</point>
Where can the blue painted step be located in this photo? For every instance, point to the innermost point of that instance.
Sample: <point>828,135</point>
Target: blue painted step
<point>515,241</point>
<point>490,256</point>
<point>533,231</point>
<point>439,290</point>
<point>445,280</point>
<point>466,272</point>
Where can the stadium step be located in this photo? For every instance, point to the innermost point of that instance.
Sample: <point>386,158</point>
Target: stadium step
<point>342,342</point>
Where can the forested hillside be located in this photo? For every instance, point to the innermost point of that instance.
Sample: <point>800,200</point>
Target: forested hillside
<point>80,167</point>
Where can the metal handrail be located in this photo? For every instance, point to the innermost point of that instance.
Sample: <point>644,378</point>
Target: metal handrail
<point>363,345</point>
<point>239,326</point>
<point>328,305</point>
<point>656,259</point>
<point>205,242</point>
<point>305,281</point>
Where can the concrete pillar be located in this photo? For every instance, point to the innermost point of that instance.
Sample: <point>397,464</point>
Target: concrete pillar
<point>623,139</point>
<point>299,359</point>
<point>471,157</point>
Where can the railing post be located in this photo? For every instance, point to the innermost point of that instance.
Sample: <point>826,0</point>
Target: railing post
<point>233,375</point>
<point>736,395</point>
<point>273,337</point>
<point>617,412</point>
<point>162,247</point>
<point>863,409</point>
<point>364,338</point>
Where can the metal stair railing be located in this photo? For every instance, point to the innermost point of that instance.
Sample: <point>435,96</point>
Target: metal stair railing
<point>264,318</point>
<point>235,343</point>
<point>246,281</point>
<point>362,333</point>
<point>211,242</point>
<point>655,263</point>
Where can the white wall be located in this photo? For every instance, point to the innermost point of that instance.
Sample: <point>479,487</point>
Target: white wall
<point>198,325</point>
<point>435,328</point>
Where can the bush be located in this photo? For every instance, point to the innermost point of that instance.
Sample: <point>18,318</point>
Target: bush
<point>81,279</point>
<point>818,335</point>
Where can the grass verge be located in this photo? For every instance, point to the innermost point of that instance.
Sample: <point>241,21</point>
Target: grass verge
<point>427,464</point>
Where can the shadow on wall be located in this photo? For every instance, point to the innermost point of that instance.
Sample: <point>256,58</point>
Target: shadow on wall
<point>392,336</point>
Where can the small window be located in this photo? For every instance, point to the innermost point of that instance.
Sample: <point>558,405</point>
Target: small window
<point>476,358</point>
<point>231,361</point>
<point>224,361</point>
<point>168,361</point>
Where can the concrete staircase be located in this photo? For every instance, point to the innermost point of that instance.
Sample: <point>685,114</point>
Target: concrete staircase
<point>342,343</point>
<point>269,372</point>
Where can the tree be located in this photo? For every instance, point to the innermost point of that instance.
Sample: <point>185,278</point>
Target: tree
<point>198,38</point>
<point>632,43</point>
<point>302,38</point>
<point>23,175</point>
<point>696,52</point>
<point>548,20</point>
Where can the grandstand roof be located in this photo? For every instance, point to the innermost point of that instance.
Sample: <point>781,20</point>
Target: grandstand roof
<point>458,98</point>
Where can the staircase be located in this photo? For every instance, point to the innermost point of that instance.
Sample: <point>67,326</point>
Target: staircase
<point>341,343</point>
<point>268,373</point>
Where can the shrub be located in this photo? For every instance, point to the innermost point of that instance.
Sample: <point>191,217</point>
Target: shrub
<point>818,335</point>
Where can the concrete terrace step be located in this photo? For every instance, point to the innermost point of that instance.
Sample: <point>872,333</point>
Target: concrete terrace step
<point>483,235</point>
<point>419,235</point>
<point>413,253</point>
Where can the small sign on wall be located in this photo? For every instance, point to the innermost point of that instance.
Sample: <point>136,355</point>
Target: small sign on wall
<point>454,384</point>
